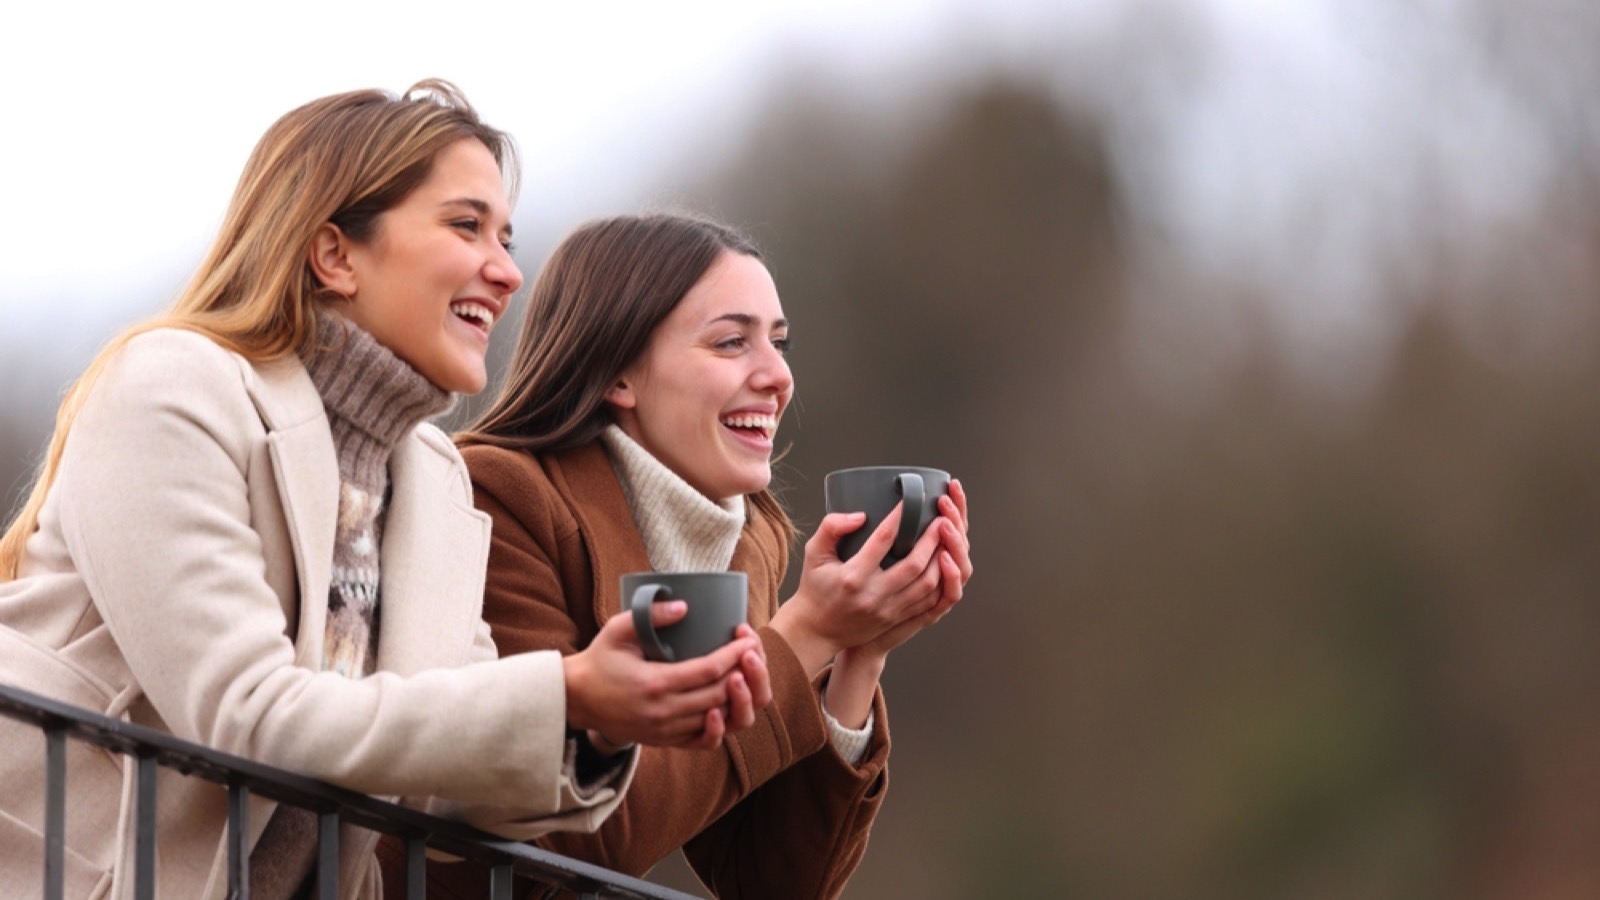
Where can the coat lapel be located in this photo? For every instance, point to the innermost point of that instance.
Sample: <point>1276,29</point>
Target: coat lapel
<point>589,485</point>
<point>435,552</point>
<point>306,470</point>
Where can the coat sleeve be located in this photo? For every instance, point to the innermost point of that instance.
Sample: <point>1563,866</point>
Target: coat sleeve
<point>802,833</point>
<point>155,490</point>
<point>774,813</point>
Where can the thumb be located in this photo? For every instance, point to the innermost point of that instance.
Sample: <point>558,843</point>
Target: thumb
<point>619,628</point>
<point>834,527</point>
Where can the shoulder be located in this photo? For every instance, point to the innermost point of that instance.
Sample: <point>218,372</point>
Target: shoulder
<point>427,449</point>
<point>503,470</point>
<point>168,373</point>
<point>515,486</point>
<point>174,355</point>
<point>187,368</point>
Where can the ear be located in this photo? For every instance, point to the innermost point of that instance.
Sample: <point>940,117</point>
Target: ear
<point>621,394</point>
<point>329,257</point>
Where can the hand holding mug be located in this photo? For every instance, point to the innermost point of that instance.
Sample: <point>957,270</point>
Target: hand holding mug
<point>617,694</point>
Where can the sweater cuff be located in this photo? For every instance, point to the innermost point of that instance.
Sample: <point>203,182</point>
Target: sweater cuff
<point>850,743</point>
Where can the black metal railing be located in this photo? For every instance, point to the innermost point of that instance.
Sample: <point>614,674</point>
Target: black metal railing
<point>333,806</point>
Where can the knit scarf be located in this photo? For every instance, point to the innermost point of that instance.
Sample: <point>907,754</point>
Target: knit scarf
<point>372,399</point>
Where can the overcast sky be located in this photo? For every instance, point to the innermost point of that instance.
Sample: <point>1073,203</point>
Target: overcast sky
<point>127,123</point>
<point>130,121</point>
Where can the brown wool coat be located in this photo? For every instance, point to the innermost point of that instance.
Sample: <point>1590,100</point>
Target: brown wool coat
<point>775,813</point>
<point>179,580</point>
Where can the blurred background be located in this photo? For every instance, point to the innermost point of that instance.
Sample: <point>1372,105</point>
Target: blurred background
<point>1263,335</point>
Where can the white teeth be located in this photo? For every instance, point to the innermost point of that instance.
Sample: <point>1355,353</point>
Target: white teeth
<point>474,311</point>
<point>767,424</point>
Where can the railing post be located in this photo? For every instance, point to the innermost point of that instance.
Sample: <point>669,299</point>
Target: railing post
<point>500,881</point>
<point>416,868</point>
<point>55,812</point>
<point>238,841</point>
<point>328,855</point>
<point>144,862</point>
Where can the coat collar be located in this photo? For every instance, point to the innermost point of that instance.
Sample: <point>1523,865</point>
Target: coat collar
<point>435,545</point>
<point>587,482</point>
<point>589,485</point>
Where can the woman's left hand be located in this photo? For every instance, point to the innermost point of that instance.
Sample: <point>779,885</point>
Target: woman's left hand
<point>954,562</point>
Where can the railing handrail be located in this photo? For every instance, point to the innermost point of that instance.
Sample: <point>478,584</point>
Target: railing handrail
<point>360,809</point>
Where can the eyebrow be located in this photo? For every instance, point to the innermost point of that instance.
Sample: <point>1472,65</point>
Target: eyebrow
<point>747,320</point>
<point>478,206</point>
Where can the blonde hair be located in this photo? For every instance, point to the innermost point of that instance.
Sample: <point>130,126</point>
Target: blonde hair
<point>343,159</point>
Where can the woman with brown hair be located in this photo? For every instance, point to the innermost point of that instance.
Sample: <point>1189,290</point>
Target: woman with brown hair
<point>635,432</point>
<point>245,534</point>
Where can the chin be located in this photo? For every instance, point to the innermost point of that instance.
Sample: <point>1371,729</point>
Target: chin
<point>755,484</point>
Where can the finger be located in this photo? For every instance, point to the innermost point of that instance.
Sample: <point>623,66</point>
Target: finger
<point>881,541</point>
<point>758,679</point>
<point>618,632</point>
<point>741,707</point>
<point>710,737</point>
<point>693,704</point>
<point>908,570</point>
<point>951,578</point>
<point>958,497</point>
<point>680,677</point>
<point>666,612</point>
<point>955,543</point>
<point>824,544</point>
<point>745,632</point>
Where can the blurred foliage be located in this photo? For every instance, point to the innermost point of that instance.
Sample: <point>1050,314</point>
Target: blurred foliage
<point>1282,644</point>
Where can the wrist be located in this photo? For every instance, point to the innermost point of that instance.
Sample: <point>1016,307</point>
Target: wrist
<point>604,745</point>
<point>861,662</point>
<point>851,686</point>
<point>573,679</point>
<point>812,650</point>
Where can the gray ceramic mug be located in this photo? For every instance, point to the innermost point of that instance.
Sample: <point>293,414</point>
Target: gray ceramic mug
<point>875,490</point>
<point>718,603</point>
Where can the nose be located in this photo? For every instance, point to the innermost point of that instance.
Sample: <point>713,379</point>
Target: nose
<point>501,270</point>
<point>772,373</point>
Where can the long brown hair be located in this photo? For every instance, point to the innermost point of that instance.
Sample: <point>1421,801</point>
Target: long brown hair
<point>343,159</point>
<point>591,312</point>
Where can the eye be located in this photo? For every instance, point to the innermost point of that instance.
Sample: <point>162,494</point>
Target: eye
<point>782,344</point>
<point>736,342</point>
<point>508,246</point>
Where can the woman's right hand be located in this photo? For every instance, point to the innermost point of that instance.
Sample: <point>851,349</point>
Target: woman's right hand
<point>614,691</point>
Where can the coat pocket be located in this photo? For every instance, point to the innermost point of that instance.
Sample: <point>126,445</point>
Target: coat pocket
<point>22,865</point>
<point>94,777</point>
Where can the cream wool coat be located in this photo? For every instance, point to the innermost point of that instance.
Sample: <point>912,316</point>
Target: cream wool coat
<point>179,579</point>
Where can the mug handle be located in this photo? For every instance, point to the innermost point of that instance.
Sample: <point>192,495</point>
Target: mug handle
<point>911,524</point>
<point>644,597</point>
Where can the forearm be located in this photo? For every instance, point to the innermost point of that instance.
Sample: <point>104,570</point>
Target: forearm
<point>852,685</point>
<point>805,641</point>
<point>822,810</point>
<point>676,794</point>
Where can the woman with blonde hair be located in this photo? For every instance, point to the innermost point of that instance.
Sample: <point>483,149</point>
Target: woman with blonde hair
<point>245,534</point>
<point>634,432</point>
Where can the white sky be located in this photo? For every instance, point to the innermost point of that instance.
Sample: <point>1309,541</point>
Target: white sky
<point>127,123</point>
<point>130,121</point>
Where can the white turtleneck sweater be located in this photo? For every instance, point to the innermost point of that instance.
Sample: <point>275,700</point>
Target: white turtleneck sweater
<point>684,531</point>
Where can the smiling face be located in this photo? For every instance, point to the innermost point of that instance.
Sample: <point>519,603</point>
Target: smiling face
<point>706,395</point>
<point>437,273</point>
